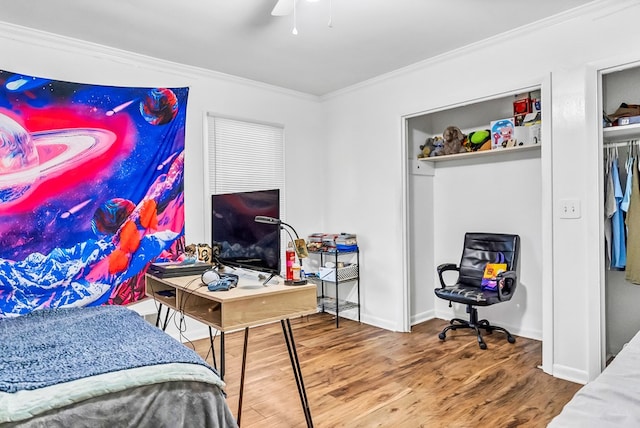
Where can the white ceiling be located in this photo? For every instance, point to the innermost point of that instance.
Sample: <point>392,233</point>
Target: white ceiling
<point>241,37</point>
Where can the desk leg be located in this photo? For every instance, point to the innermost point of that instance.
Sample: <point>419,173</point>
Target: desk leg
<point>213,350</point>
<point>166,319</point>
<point>297,372</point>
<point>222,355</point>
<point>337,301</point>
<point>244,365</point>
<point>158,316</point>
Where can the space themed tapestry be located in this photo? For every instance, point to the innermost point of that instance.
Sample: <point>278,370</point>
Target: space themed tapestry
<point>91,190</point>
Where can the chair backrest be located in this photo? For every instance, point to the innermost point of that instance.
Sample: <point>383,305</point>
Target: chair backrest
<point>482,248</point>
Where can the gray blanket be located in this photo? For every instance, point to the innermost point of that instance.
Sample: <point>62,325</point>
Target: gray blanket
<point>51,346</point>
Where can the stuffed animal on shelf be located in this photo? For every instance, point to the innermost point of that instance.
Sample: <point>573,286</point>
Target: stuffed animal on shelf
<point>438,146</point>
<point>431,147</point>
<point>453,139</point>
<point>479,140</point>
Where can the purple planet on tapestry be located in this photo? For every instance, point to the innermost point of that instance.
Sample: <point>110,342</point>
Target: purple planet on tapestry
<point>159,106</point>
<point>111,215</point>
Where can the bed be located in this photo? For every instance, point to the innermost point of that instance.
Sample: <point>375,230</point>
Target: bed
<point>103,367</point>
<point>612,399</point>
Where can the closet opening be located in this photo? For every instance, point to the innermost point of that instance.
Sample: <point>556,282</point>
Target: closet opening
<point>444,199</point>
<point>620,224</point>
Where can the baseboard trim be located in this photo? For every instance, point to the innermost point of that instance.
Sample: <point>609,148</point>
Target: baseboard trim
<point>568,373</point>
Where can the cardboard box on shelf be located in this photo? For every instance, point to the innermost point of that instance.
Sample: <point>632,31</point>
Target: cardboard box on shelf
<point>527,135</point>
<point>535,105</point>
<point>530,133</point>
<point>344,273</point>
<point>522,106</point>
<point>629,120</point>
<point>502,133</point>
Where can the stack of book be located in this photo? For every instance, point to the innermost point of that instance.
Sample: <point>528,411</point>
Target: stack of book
<point>330,242</point>
<point>346,242</point>
<point>173,269</point>
<point>315,242</point>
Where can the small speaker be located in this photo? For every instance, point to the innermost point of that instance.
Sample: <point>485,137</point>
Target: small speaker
<point>210,276</point>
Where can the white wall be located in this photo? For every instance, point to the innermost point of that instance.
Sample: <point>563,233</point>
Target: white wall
<point>463,203</point>
<point>40,54</point>
<point>353,142</point>
<point>365,142</point>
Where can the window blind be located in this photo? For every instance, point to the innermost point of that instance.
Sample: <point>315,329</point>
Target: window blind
<point>245,156</point>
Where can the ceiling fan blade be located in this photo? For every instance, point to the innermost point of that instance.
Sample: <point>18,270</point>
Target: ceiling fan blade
<point>283,8</point>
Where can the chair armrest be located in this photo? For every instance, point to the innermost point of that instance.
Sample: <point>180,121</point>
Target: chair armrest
<point>443,268</point>
<point>507,282</point>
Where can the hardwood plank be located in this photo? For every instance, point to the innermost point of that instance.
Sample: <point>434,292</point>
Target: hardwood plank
<point>363,376</point>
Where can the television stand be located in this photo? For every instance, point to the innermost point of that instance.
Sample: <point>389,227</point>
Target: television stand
<point>261,276</point>
<point>296,282</point>
<point>252,275</point>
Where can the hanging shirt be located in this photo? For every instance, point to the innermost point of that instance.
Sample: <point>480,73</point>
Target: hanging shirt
<point>626,199</point>
<point>618,248</point>
<point>632,273</point>
<point>609,210</point>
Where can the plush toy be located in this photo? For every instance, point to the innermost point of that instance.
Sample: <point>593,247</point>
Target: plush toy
<point>479,140</point>
<point>430,147</point>
<point>453,139</point>
<point>438,146</point>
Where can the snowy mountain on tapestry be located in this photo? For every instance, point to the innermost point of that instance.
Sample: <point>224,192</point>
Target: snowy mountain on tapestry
<point>91,190</point>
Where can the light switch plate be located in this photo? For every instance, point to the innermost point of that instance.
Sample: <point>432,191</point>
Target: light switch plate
<point>570,208</point>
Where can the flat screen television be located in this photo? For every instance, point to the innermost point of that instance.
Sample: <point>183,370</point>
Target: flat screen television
<point>245,243</point>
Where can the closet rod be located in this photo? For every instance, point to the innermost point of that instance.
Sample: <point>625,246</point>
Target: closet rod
<point>620,143</point>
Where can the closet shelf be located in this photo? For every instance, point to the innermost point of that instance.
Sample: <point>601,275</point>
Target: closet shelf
<point>484,153</point>
<point>619,133</point>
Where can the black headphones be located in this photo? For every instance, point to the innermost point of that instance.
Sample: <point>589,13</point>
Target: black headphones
<point>217,282</point>
<point>209,276</point>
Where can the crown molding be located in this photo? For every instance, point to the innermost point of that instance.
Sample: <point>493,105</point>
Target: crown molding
<point>71,45</point>
<point>599,8</point>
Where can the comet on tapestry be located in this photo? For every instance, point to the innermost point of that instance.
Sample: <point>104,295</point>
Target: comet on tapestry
<point>119,108</point>
<point>75,209</point>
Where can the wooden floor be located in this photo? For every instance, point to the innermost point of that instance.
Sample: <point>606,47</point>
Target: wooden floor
<point>363,376</point>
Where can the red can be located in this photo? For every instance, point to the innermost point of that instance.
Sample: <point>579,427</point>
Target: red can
<point>290,257</point>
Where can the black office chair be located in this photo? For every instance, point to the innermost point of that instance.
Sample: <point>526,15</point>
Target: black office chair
<point>480,249</point>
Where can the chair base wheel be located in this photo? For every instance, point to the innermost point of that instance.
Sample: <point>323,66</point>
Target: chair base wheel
<point>477,325</point>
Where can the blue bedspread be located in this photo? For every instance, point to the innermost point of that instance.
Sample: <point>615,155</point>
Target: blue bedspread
<point>51,346</point>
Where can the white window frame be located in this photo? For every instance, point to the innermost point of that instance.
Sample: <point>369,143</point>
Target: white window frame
<point>256,162</point>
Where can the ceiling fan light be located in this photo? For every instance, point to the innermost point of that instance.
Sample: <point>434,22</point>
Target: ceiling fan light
<point>295,20</point>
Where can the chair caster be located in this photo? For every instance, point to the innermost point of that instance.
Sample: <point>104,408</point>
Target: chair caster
<point>442,336</point>
<point>511,339</point>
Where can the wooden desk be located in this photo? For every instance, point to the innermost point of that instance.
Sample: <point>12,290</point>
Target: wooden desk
<point>247,305</point>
